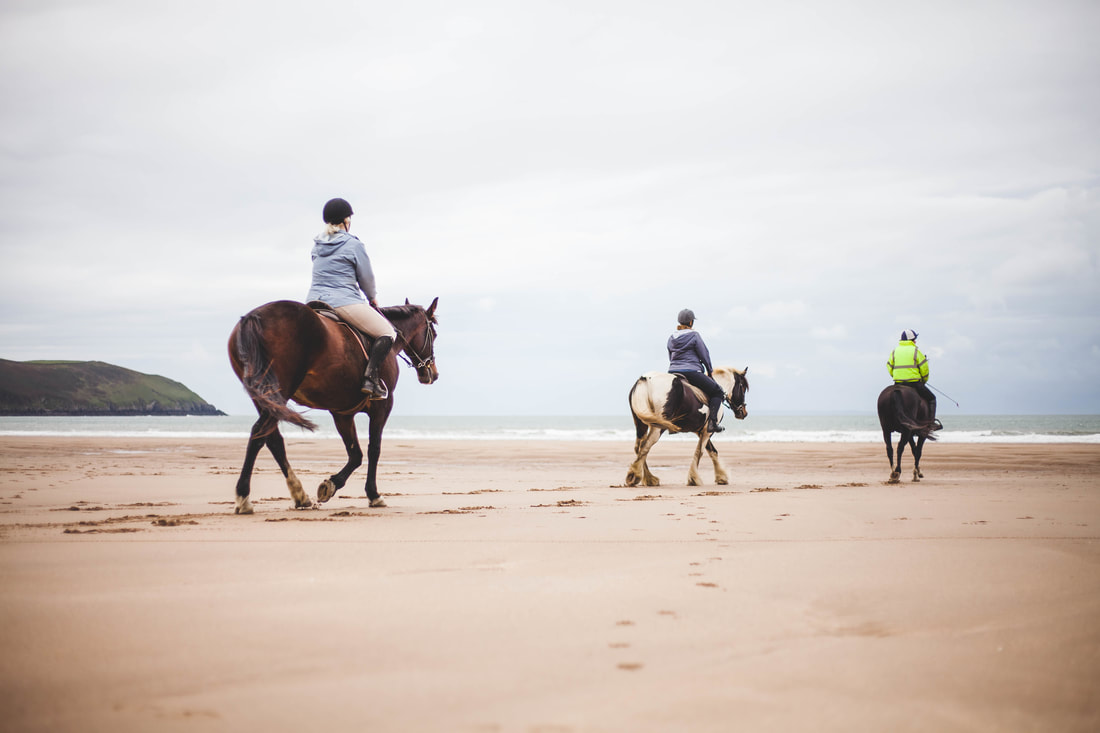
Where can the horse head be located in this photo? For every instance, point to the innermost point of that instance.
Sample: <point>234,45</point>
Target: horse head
<point>735,398</point>
<point>416,331</point>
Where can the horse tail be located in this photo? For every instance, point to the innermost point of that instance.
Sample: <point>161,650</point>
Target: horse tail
<point>922,430</point>
<point>259,378</point>
<point>640,428</point>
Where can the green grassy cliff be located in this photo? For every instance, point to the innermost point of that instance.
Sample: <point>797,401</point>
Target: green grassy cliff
<point>92,388</point>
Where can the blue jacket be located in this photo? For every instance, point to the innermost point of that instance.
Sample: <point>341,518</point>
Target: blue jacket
<point>341,269</point>
<point>686,352</point>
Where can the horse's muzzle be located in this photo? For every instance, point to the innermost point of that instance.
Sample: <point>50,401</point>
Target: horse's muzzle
<point>741,412</point>
<point>427,375</point>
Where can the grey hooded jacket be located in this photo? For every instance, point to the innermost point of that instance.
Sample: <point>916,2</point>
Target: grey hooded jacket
<point>686,352</point>
<point>341,269</point>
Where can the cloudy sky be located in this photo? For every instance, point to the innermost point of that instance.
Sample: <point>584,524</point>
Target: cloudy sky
<point>810,178</point>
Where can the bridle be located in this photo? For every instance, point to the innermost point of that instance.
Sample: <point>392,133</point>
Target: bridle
<point>421,362</point>
<point>738,410</point>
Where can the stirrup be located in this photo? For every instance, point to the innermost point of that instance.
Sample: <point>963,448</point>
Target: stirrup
<point>936,424</point>
<point>375,390</point>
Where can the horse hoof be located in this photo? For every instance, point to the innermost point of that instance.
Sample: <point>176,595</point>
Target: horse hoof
<point>244,506</point>
<point>722,481</point>
<point>325,491</point>
<point>653,481</point>
<point>307,504</point>
<point>377,503</point>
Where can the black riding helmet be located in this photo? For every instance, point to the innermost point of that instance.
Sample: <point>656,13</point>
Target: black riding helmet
<point>336,210</point>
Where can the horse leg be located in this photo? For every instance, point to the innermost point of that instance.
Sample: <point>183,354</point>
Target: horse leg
<point>277,447</point>
<point>639,470</point>
<point>720,476</point>
<point>917,449</point>
<point>345,425</point>
<point>374,449</point>
<point>693,470</point>
<point>886,437</point>
<point>906,436</point>
<point>256,441</point>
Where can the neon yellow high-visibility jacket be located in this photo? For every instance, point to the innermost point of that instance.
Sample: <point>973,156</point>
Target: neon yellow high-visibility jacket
<point>907,364</point>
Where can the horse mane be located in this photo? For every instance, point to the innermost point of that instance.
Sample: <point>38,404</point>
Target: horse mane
<point>739,375</point>
<point>403,312</point>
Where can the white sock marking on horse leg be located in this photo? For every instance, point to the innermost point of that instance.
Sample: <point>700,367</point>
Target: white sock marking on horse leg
<point>301,499</point>
<point>244,506</point>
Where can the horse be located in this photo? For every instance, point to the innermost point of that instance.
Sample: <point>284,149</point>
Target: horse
<point>286,350</point>
<point>661,402</point>
<point>901,410</point>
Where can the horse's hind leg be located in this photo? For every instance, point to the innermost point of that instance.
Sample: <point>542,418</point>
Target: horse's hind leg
<point>639,470</point>
<point>345,425</point>
<point>277,447</point>
<point>720,476</point>
<point>256,441</point>
<point>895,476</point>
<point>886,434</point>
<point>917,450</point>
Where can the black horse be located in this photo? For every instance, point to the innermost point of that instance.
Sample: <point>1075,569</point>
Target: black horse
<point>901,410</point>
<point>285,350</point>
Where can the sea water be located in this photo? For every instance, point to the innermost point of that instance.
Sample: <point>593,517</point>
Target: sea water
<point>756,429</point>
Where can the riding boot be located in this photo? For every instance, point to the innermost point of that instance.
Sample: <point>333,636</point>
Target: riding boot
<point>936,424</point>
<point>372,382</point>
<point>714,405</point>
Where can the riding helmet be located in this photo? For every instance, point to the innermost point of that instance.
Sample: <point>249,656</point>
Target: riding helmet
<point>908,335</point>
<point>336,210</point>
<point>686,317</point>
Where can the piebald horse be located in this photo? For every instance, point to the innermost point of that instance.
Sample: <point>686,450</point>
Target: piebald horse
<point>661,402</point>
<point>287,351</point>
<point>901,410</point>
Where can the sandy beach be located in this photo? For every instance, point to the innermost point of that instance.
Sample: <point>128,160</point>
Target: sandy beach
<point>519,586</point>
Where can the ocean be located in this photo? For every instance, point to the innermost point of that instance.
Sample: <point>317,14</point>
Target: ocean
<point>756,429</point>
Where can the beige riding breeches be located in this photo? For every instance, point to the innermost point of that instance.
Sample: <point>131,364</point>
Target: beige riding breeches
<point>367,319</point>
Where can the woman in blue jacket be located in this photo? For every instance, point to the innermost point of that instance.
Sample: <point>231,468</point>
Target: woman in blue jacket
<point>343,279</point>
<point>688,356</point>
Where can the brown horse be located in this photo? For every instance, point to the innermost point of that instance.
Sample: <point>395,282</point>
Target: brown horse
<point>901,410</point>
<point>285,350</point>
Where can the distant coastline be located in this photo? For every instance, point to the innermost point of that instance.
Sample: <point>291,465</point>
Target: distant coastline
<point>92,389</point>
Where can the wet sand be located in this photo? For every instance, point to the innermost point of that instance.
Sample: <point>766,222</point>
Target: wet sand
<point>518,586</point>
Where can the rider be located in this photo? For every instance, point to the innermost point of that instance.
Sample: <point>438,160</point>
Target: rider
<point>909,366</point>
<point>688,357</point>
<point>342,275</point>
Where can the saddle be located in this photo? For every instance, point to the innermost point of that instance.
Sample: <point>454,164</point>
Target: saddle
<point>326,311</point>
<point>685,384</point>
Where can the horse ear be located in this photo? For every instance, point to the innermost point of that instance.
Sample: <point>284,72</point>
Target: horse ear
<point>407,302</point>
<point>431,308</point>
<point>746,370</point>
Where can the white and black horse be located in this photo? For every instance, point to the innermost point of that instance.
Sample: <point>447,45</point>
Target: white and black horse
<point>661,402</point>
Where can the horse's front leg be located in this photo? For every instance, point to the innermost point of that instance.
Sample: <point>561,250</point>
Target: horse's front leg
<point>639,470</point>
<point>693,471</point>
<point>345,426</point>
<point>720,476</point>
<point>256,441</point>
<point>277,447</point>
<point>378,416</point>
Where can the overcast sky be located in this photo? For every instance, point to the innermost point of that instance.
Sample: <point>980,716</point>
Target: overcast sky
<point>810,178</point>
